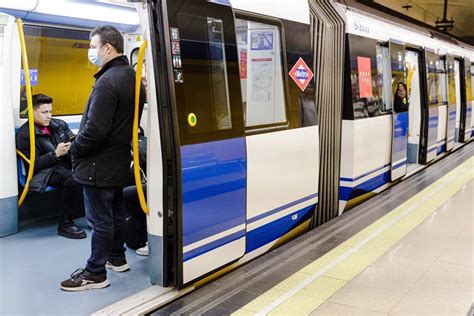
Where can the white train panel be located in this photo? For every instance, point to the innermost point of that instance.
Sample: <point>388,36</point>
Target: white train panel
<point>282,168</point>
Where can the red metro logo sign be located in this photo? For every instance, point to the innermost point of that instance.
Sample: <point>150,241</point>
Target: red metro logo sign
<point>301,74</point>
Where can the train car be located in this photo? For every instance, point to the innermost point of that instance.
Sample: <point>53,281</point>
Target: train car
<point>244,124</point>
<point>433,117</point>
<point>265,119</point>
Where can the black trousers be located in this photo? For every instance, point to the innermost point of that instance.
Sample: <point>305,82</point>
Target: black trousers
<point>136,231</point>
<point>63,179</point>
<point>106,215</point>
<point>132,203</point>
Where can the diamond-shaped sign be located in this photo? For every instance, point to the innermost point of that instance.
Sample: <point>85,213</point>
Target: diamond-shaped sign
<point>301,74</point>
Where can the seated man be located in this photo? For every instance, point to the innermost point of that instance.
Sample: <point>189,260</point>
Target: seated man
<point>53,162</point>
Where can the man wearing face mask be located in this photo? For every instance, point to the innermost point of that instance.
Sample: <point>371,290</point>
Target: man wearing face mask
<point>101,157</point>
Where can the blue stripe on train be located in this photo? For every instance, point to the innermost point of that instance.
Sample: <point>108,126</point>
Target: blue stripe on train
<point>281,208</point>
<point>347,193</point>
<point>213,188</point>
<point>400,164</point>
<point>213,245</point>
<point>276,229</point>
<point>441,149</point>
<point>260,236</point>
<point>363,175</point>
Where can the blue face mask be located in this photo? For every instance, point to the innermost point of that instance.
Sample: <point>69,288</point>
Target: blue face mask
<point>93,55</point>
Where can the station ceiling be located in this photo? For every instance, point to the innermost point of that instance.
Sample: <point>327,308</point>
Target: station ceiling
<point>428,11</point>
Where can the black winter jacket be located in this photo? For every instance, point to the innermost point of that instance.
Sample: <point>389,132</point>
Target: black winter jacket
<point>101,151</point>
<point>45,161</point>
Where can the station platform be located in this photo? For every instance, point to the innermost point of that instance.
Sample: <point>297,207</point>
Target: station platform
<point>409,250</point>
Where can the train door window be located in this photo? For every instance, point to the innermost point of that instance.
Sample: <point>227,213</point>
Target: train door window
<point>398,80</point>
<point>261,73</point>
<point>383,72</point>
<point>365,76</point>
<point>442,81</point>
<point>59,68</point>
<point>454,81</point>
<point>433,85</point>
<point>205,69</point>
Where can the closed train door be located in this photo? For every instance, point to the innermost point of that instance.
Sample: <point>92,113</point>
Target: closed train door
<point>209,137</point>
<point>454,101</point>
<point>400,111</point>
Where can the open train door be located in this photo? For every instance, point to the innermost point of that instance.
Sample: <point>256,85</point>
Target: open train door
<point>205,118</point>
<point>454,101</point>
<point>430,110</point>
<point>464,125</point>
<point>400,111</point>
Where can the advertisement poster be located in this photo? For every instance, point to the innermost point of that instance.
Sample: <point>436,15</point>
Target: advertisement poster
<point>243,65</point>
<point>262,79</point>
<point>365,77</point>
<point>262,40</point>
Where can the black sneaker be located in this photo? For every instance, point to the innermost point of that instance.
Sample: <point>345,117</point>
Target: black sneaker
<point>84,280</point>
<point>118,266</point>
<point>70,230</point>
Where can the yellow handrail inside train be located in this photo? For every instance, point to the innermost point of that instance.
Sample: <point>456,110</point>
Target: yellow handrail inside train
<point>136,160</point>
<point>31,121</point>
<point>22,156</point>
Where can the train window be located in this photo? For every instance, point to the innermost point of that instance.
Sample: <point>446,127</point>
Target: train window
<point>59,68</point>
<point>206,73</point>
<point>366,76</point>
<point>442,81</point>
<point>261,73</point>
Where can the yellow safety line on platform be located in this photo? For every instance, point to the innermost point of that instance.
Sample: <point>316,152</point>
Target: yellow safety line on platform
<point>308,288</point>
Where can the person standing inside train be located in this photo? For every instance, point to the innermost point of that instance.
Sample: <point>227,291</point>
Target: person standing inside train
<point>53,162</point>
<point>400,98</point>
<point>101,157</point>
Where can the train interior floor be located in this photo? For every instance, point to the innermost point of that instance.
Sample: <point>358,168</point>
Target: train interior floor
<point>409,250</point>
<point>34,262</point>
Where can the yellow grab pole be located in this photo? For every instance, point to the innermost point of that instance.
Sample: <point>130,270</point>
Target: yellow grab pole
<point>22,156</point>
<point>31,123</point>
<point>136,158</point>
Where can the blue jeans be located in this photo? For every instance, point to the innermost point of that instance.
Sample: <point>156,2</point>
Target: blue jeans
<point>106,215</point>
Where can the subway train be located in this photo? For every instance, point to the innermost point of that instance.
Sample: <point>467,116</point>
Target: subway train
<point>264,119</point>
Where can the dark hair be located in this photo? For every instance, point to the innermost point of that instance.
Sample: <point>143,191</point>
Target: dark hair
<point>403,84</point>
<point>39,99</point>
<point>109,34</point>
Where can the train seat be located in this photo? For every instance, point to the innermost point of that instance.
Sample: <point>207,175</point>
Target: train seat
<point>22,174</point>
